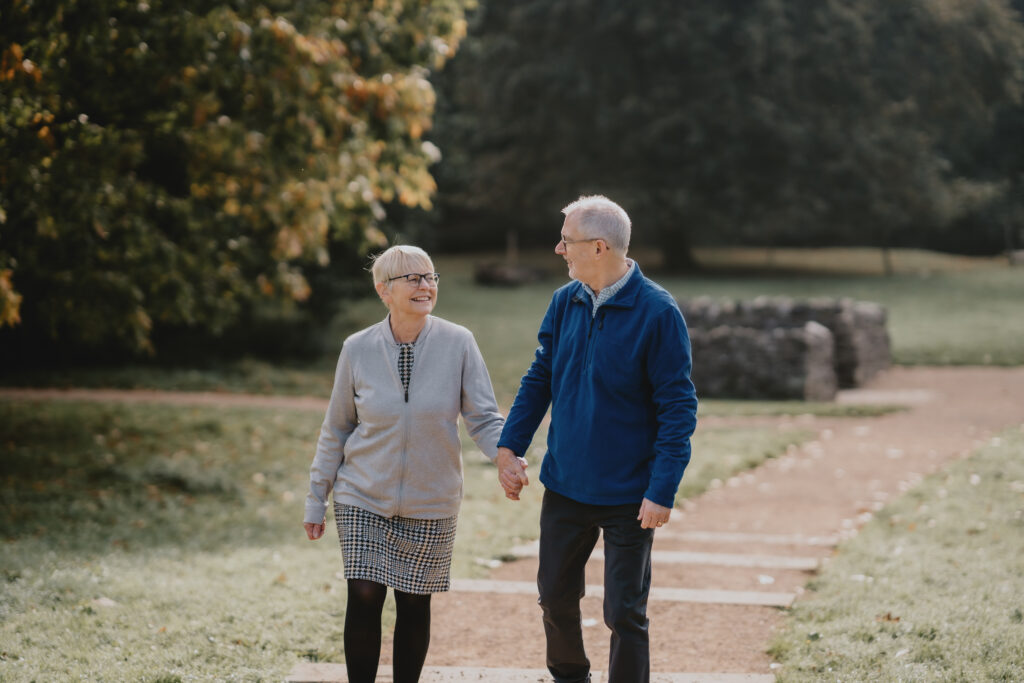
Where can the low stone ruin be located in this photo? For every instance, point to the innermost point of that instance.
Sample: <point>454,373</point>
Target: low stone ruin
<point>782,348</point>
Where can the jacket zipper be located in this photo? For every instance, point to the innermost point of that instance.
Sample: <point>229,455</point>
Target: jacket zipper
<point>590,348</point>
<point>592,339</point>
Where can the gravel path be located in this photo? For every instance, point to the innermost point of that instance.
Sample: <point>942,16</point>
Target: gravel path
<point>791,506</point>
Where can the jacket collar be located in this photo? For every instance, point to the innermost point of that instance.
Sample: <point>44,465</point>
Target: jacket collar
<point>624,298</point>
<point>386,335</point>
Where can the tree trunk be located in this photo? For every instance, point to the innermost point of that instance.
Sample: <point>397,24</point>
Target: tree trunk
<point>887,268</point>
<point>1012,255</point>
<point>677,252</point>
<point>512,247</point>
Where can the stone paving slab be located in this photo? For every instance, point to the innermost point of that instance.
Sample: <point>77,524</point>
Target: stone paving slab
<point>686,557</point>
<point>827,541</point>
<point>905,397</point>
<point>658,593</point>
<point>335,673</point>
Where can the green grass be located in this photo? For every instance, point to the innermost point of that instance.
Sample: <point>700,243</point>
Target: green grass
<point>720,453</point>
<point>931,590</point>
<point>249,376</point>
<point>943,310</point>
<point>189,521</point>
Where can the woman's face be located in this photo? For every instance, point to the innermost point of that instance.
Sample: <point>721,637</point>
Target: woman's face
<point>405,298</point>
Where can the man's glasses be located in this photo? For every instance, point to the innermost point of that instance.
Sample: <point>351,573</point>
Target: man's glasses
<point>414,279</point>
<point>568,242</point>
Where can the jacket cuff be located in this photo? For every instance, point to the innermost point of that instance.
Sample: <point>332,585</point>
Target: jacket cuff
<point>519,450</point>
<point>315,513</point>
<point>660,498</point>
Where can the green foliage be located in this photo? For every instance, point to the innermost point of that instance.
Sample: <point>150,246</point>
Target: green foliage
<point>931,590</point>
<point>769,121</point>
<point>180,165</point>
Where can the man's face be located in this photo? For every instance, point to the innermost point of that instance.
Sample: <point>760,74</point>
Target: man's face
<point>577,251</point>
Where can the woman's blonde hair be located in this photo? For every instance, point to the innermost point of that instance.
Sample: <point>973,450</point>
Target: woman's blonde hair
<point>400,259</point>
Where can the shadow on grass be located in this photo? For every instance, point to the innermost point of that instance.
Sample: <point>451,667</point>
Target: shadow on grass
<point>91,478</point>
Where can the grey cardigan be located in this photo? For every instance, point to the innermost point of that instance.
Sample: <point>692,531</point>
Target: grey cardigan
<point>392,457</point>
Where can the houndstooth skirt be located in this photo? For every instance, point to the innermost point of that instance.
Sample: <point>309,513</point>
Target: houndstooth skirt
<point>410,555</point>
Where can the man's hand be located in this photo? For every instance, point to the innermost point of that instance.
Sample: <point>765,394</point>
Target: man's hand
<point>313,531</point>
<point>653,515</point>
<point>511,473</point>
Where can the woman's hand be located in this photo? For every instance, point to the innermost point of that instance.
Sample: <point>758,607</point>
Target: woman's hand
<point>313,531</point>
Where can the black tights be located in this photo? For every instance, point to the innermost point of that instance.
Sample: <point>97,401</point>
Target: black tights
<point>362,632</point>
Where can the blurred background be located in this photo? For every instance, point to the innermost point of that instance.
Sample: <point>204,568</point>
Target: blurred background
<point>191,192</point>
<point>194,183</point>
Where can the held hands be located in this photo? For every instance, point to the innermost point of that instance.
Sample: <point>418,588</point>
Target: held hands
<point>652,515</point>
<point>511,473</point>
<point>313,531</point>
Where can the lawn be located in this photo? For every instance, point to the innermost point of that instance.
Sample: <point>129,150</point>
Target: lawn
<point>942,310</point>
<point>159,543</point>
<point>931,590</point>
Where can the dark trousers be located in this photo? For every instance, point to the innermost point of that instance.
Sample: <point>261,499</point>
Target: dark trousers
<point>568,532</point>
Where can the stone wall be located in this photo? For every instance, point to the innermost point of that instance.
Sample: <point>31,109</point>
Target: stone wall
<point>735,336</point>
<point>744,362</point>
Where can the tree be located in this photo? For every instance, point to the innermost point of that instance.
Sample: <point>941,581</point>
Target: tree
<point>176,165</point>
<point>763,120</point>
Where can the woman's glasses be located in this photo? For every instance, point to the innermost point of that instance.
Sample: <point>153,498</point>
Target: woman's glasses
<point>414,279</point>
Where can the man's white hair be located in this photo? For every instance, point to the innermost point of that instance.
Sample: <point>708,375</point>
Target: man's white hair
<point>601,218</point>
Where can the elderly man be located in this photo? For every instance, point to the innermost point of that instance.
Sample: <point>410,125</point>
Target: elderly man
<point>614,365</point>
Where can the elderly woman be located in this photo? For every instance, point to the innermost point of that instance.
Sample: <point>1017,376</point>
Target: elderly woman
<point>389,449</point>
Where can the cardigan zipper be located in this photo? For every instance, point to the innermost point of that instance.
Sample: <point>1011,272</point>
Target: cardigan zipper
<point>405,461</point>
<point>404,443</point>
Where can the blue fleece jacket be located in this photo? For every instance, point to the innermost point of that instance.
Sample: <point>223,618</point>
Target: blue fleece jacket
<point>623,407</point>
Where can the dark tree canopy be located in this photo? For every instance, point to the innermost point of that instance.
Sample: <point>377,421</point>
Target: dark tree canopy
<point>754,120</point>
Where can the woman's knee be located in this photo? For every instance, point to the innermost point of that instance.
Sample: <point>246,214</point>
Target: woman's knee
<point>367,593</point>
<point>412,600</point>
